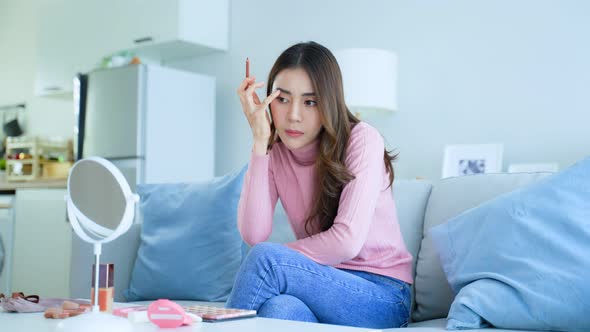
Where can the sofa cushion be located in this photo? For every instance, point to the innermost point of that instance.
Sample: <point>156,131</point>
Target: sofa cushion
<point>190,246</point>
<point>281,228</point>
<point>449,198</point>
<point>411,197</point>
<point>526,250</point>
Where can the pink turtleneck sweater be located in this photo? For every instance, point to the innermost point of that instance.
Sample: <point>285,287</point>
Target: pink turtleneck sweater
<point>365,235</point>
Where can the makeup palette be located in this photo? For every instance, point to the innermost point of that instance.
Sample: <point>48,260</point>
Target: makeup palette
<point>214,314</point>
<point>207,313</point>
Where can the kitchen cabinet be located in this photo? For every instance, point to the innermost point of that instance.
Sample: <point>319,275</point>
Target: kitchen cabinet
<point>42,243</point>
<point>74,36</point>
<point>165,30</point>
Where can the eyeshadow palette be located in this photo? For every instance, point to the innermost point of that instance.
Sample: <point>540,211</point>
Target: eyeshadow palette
<point>214,314</point>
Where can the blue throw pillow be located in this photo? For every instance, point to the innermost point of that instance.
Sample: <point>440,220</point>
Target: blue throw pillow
<point>190,246</point>
<point>522,260</point>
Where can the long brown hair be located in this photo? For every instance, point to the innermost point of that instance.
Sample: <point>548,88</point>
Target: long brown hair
<point>337,123</point>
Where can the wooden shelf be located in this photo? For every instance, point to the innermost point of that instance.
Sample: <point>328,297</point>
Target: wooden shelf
<point>35,167</point>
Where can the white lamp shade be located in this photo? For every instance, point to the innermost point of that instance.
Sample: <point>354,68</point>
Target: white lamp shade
<point>369,77</point>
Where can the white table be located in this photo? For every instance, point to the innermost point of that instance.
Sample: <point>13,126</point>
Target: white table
<point>35,322</point>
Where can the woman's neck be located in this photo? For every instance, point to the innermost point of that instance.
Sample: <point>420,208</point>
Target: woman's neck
<point>306,155</point>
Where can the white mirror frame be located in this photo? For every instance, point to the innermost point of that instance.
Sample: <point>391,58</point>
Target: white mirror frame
<point>77,217</point>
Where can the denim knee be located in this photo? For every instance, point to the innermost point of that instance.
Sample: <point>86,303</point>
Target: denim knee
<point>288,307</point>
<point>265,251</point>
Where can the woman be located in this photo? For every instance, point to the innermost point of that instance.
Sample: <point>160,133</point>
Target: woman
<point>349,264</point>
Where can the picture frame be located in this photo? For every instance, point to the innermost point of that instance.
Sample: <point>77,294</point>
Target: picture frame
<point>467,159</point>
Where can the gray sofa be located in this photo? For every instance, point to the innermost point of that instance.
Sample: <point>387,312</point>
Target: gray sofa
<point>421,205</point>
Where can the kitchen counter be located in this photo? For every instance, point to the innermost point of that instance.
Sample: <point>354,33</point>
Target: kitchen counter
<point>14,185</point>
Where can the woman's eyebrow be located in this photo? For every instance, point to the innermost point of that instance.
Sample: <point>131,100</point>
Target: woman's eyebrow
<point>303,94</point>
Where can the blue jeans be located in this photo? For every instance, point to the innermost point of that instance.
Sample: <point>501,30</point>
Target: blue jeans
<point>279,282</point>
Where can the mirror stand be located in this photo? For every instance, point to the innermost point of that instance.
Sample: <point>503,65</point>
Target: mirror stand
<point>95,321</point>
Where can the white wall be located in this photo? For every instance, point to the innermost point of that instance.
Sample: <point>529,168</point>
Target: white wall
<point>16,44</point>
<point>493,71</point>
<point>44,116</point>
<point>513,72</point>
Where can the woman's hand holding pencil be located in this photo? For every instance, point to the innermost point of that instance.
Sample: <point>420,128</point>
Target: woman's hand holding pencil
<point>255,110</point>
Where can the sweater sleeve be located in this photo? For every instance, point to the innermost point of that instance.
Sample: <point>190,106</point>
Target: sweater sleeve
<point>358,200</point>
<point>257,201</point>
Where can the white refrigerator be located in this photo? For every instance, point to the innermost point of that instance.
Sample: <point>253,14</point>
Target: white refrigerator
<point>156,124</point>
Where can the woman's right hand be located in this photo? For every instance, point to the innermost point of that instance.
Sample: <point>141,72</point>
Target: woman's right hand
<point>255,110</point>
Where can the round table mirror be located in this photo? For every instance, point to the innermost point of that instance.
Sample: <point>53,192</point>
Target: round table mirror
<point>100,208</point>
<point>99,196</point>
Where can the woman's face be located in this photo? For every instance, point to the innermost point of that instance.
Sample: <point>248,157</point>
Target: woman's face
<point>294,112</point>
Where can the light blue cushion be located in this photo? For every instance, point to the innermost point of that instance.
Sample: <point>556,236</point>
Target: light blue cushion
<point>522,260</point>
<point>190,245</point>
<point>449,198</point>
